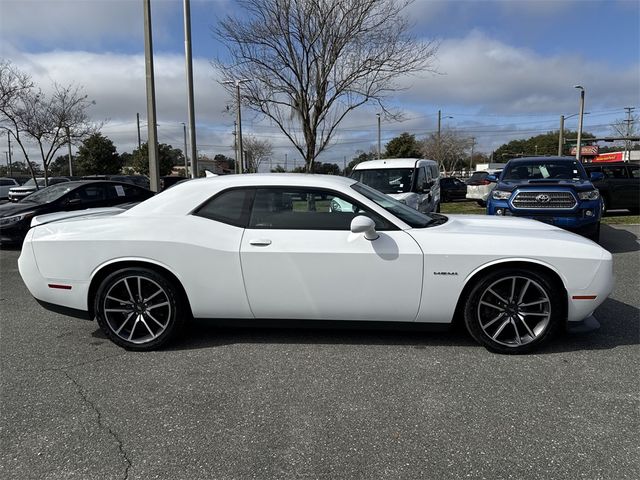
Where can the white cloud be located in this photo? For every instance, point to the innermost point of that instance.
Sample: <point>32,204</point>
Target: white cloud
<point>492,77</point>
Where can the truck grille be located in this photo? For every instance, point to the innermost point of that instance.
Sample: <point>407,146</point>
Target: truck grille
<point>546,200</point>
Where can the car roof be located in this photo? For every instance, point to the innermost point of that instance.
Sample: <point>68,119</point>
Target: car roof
<point>391,163</point>
<point>185,196</point>
<point>515,161</point>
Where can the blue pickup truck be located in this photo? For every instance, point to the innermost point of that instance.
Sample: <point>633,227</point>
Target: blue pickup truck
<point>554,190</point>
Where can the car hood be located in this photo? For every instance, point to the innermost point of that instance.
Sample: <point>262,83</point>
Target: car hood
<point>401,196</point>
<point>578,185</point>
<point>9,209</point>
<point>505,237</point>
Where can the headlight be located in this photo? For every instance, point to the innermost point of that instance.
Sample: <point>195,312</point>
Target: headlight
<point>14,219</point>
<point>500,195</point>
<point>589,195</point>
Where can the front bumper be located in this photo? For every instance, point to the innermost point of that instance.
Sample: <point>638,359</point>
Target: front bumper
<point>586,214</point>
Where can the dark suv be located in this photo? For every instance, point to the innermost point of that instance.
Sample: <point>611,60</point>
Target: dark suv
<point>554,190</point>
<point>620,187</point>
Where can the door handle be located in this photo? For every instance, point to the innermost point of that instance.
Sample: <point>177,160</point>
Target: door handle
<point>260,242</point>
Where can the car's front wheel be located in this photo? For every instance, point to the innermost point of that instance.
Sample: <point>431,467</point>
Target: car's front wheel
<point>138,308</point>
<point>513,311</point>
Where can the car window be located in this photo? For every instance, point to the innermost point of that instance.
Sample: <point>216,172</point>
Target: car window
<point>422,179</point>
<point>128,192</point>
<point>306,209</point>
<point>543,170</point>
<point>386,180</point>
<point>89,194</point>
<point>614,172</point>
<point>634,171</point>
<point>231,207</point>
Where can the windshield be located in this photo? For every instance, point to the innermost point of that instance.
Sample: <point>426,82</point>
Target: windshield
<point>543,170</point>
<point>31,183</point>
<point>408,215</point>
<point>48,194</point>
<point>386,180</point>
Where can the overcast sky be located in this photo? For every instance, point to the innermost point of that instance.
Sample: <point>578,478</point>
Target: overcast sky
<point>506,69</point>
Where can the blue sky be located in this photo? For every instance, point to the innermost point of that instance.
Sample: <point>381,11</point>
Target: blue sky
<point>506,68</point>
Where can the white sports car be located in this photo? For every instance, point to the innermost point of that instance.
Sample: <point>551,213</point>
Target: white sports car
<point>268,247</point>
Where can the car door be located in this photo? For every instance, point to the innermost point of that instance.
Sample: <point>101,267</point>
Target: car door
<point>619,186</point>
<point>92,195</point>
<point>300,261</point>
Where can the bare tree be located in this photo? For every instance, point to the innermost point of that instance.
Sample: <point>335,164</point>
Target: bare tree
<point>449,149</point>
<point>310,62</point>
<point>256,152</point>
<point>33,118</point>
<point>626,127</point>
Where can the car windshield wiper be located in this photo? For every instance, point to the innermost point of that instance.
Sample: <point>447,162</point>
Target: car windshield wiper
<point>436,219</point>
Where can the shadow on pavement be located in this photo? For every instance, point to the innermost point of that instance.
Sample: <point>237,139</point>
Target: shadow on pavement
<point>618,240</point>
<point>620,326</point>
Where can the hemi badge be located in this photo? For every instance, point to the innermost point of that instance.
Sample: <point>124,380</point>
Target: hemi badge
<point>61,287</point>
<point>584,297</point>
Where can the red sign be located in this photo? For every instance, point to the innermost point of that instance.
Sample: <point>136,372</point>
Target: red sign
<point>589,150</point>
<point>609,157</point>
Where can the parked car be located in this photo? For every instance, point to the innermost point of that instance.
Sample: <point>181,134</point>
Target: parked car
<point>479,187</point>
<point>553,190</point>
<point>620,187</point>
<point>452,188</point>
<point>18,193</point>
<point>414,182</point>
<point>268,247</point>
<point>15,218</point>
<point>169,181</point>
<point>5,184</point>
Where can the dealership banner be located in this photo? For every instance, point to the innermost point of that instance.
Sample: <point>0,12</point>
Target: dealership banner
<point>609,157</point>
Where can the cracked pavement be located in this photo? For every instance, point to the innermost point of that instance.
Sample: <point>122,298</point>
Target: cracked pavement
<point>243,404</point>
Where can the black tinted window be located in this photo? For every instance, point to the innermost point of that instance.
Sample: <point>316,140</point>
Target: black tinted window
<point>230,207</point>
<point>305,209</point>
<point>634,171</point>
<point>614,172</point>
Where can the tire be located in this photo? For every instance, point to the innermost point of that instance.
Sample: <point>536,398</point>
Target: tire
<point>139,308</point>
<point>513,311</point>
<point>445,198</point>
<point>482,203</point>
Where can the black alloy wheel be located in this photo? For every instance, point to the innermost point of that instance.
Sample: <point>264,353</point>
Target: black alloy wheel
<point>513,311</point>
<point>139,309</point>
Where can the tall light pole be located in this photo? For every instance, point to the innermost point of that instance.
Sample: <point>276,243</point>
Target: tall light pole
<point>152,128</point>
<point>69,145</point>
<point>379,147</point>
<point>186,157</point>
<point>561,132</point>
<point>237,83</point>
<point>579,142</point>
<point>189,72</point>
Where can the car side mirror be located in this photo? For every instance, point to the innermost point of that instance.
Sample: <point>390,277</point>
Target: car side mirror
<point>596,176</point>
<point>363,224</point>
<point>492,178</point>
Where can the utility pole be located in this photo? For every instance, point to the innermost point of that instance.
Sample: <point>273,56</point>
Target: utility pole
<point>285,162</point>
<point>186,157</point>
<point>439,123</point>
<point>579,143</point>
<point>239,120</point>
<point>189,70</point>
<point>473,143</point>
<point>627,143</point>
<point>152,132</point>
<point>379,144</point>
<point>561,136</point>
<point>138,122</point>
<point>10,160</point>
<point>69,145</point>
<point>235,146</point>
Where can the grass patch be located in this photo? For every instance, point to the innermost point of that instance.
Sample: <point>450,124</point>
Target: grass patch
<point>472,208</point>
<point>462,207</point>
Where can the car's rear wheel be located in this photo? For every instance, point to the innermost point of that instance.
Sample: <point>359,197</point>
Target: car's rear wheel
<point>513,311</point>
<point>138,308</point>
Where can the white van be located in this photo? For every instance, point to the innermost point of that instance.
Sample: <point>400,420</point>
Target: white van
<point>412,181</point>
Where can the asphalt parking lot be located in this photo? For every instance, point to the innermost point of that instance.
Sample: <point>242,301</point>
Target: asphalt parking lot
<point>329,404</point>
